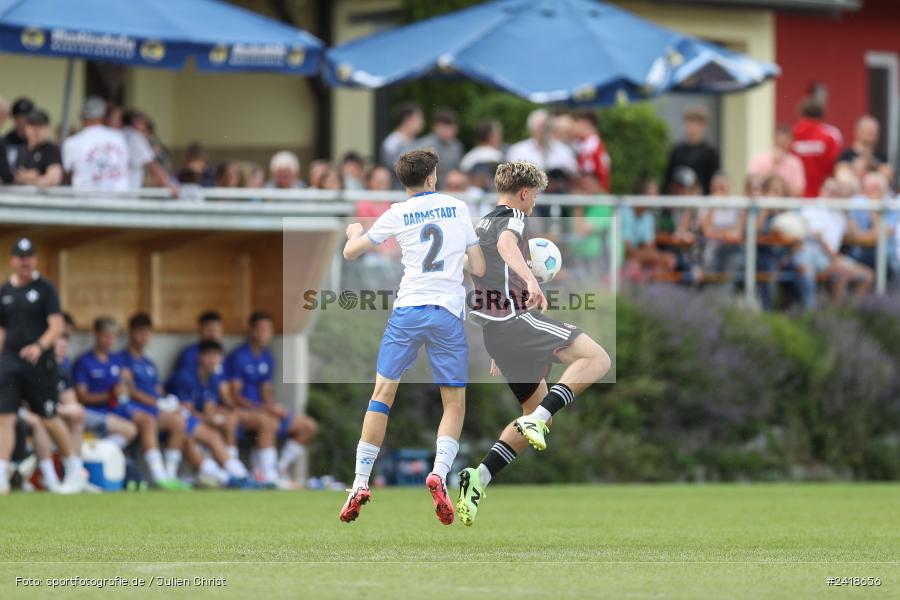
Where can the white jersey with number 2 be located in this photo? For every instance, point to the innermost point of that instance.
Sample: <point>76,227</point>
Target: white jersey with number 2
<point>433,230</point>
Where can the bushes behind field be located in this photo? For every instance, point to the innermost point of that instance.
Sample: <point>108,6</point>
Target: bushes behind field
<point>705,391</point>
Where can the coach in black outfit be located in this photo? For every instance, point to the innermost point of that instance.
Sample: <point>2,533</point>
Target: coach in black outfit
<point>30,321</point>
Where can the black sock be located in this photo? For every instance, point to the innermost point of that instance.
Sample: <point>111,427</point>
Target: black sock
<point>560,395</point>
<point>500,455</point>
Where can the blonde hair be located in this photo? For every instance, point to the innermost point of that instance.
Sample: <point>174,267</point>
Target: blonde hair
<point>513,176</point>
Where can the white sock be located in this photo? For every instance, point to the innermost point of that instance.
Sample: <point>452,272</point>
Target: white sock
<point>541,413</point>
<point>173,461</point>
<point>72,465</point>
<point>154,461</point>
<point>290,453</point>
<point>268,460</point>
<point>484,475</point>
<point>366,454</point>
<point>233,452</point>
<point>48,473</point>
<point>209,468</point>
<point>118,439</point>
<point>447,448</point>
<point>4,474</point>
<point>236,468</point>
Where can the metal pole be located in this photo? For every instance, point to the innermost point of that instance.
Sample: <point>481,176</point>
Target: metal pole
<point>881,252</point>
<point>616,231</point>
<point>67,97</point>
<point>750,253</point>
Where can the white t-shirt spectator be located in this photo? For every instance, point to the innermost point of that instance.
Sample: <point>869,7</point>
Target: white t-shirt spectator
<point>480,155</point>
<point>559,156</point>
<point>139,154</point>
<point>97,157</point>
<point>832,224</point>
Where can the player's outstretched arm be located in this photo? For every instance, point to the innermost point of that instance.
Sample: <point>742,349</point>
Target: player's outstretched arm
<point>474,262</point>
<point>508,247</point>
<point>357,243</point>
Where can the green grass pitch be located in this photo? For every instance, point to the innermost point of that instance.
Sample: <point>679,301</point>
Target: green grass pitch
<point>628,541</point>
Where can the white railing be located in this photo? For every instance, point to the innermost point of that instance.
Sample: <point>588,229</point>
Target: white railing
<point>263,207</point>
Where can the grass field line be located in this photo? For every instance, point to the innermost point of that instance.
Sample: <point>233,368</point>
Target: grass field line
<point>461,562</point>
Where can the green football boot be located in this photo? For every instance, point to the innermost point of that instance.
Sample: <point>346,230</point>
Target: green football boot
<point>534,431</point>
<point>471,492</point>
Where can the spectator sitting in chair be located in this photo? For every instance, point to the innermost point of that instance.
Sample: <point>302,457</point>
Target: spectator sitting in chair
<point>643,258</point>
<point>250,368</point>
<point>862,234</point>
<point>723,231</point>
<point>820,253</point>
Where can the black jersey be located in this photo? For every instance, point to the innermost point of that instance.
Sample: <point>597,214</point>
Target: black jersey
<point>500,294</point>
<point>24,311</point>
<point>41,157</point>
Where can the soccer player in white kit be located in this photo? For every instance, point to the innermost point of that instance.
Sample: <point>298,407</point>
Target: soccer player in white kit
<point>437,239</point>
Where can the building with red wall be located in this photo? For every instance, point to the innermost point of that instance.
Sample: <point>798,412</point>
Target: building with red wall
<point>849,58</point>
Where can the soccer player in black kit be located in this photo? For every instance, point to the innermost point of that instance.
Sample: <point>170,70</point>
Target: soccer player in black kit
<point>524,343</point>
<point>30,322</point>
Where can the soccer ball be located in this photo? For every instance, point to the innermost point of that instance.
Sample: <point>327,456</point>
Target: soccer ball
<point>546,261</point>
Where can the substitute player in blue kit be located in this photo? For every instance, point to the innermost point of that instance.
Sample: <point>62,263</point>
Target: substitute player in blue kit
<point>436,237</point>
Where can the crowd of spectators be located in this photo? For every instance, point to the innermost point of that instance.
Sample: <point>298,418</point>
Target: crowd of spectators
<point>118,149</point>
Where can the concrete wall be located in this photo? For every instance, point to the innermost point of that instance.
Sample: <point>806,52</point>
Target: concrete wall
<point>42,80</point>
<point>353,112</point>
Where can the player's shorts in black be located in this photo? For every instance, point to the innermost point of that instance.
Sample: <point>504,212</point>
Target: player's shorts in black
<point>525,348</point>
<point>35,384</point>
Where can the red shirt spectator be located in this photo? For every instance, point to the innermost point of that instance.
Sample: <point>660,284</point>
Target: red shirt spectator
<point>593,159</point>
<point>817,144</point>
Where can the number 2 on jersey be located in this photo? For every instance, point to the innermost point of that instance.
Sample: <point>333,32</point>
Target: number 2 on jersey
<point>434,233</point>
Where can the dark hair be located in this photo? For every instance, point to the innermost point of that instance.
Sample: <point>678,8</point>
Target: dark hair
<point>485,129</point>
<point>260,315</point>
<point>587,115</point>
<point>352,156</point>
<point>140,320</point>
<point>131,115</point>
<point>444,117</point>
<point>209,316</point>
<point>406,110</point>
<point>104,323</point>
<point>68,319</point>
<point>812,108</point>
<point>415,166</point>
<point>209,346</point>
<point>194,151</point>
